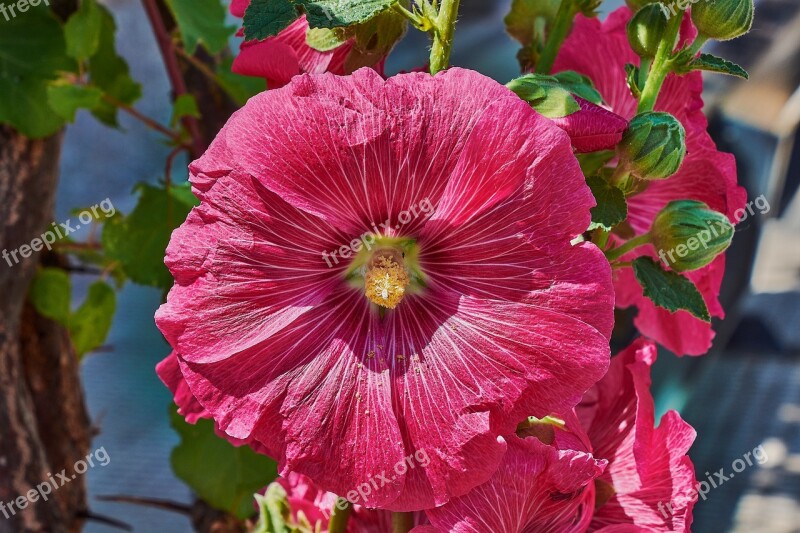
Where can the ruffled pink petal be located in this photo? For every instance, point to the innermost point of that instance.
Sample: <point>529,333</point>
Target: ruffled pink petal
<point>593,128</point>
<point>170,373</point>
<point>271,59</point>
<point>537,488</point>
<point>648,467</point>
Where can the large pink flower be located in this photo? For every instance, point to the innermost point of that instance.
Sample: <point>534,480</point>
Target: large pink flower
<point>600,51</point>
<point>538,487</point>
<point>487,314</point>
<point>279,58</point>
<point>649,483</point>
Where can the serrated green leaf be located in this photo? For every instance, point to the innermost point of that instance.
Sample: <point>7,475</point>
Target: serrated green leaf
<point>201,21</point>
<point>611,208</point>
<point>221,474</point>
<point>109,72</point>
<point>50,294</point>
<point>267,18</point>
<point>139,240</point>
<point>184,106</point>
<point>337,13</point>
<point>579,85</point>
<point>66,98</point>
<point>90,323</point>
<point>82,31</point>
<point>713,63</point>
<point>32,52</point>
<point>669,289</point>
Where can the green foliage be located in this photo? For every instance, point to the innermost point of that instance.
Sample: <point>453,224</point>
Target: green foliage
<point>375,38</point>
<point>90,323</point>
<point>240,88</point>
<point>32,52</point>
<point>267,18</point>
<point>109,72</point>
<point>326,39</point>
<point>274,512</point>
<point>552,96</point>
<point>218,472</point>
<point>528,20</point>
<point>65,98</point>
<point>50,294</point>
<point>184,106</point>
<point>201,21</point>
<point>82,31</point>
<point>579,85</point>
<point>139,240</point>
<point>713,63</point>
<point>668,289</point>
<point>611,208</point>
<point>337,13</point>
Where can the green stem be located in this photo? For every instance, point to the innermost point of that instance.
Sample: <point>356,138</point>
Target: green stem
<point>698,44</point>
<point>341,513</point>
<point>402,522</point>
<point>644,70</point>
<point>661,65</point>
<point>443,35</point>
<point>561,28</point>
<point>636,242</point>
<point>600,238</point>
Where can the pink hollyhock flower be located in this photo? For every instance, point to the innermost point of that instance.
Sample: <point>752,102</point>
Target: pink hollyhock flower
<point>649,484</point>
<point>343,347</point>
<point>593,128</point>
<point>600,51</point>
<point>538,487</point>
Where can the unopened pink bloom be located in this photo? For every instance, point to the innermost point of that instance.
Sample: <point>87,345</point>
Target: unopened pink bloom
<point>649,484</point>
<point>593,128</point>
<point>275,336</point>
<point>600,51</point>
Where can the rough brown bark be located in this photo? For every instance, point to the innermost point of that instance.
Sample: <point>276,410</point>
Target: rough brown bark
<point>44,427</point>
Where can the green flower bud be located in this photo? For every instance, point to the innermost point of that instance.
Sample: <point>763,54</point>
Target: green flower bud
<point>723,19</point>
<point>646,29</point>
<point>688,235</point>
<point>653,146</point>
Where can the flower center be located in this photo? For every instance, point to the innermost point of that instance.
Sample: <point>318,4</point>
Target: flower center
<point>386,278</point>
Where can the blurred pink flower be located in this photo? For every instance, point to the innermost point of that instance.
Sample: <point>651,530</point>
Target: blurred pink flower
<point>600,51</point>
<point>282,350</point>
<point>649,484</point>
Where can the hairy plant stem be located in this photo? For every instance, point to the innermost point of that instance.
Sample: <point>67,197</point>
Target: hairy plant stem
<point>623,249</point>
<point>402,522</point>
<point>443,35</point>
<point>340,516</point>
<point>561,28</point>
<point>662,65</point>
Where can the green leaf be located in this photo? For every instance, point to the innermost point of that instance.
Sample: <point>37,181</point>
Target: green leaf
<point>337,13</point>
<point>139,241</point>
<point>267,18</point>
<point>632,79</point>
<point>32,52</point>
<point>611,208</point>
<point>579,85</point>
<point>545,94</point>
<point>374,39</point>
<point>326,39</point>
<point>240,88</point>
<point>521,21</point>
<point>668,289</point>
<point>90,323</point>
<point>50,294</point>
<point>592,162</point>
<point>66,98</point>
<point>221,474</point>
<point>184,106</point>
<point>82,31</point>
<point>713,63</point>
<point>109,72</point>
<point>201,21</point>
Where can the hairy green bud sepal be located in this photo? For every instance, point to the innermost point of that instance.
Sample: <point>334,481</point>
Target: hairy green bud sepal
<point>723,19</point>
<point>653,146</point>
<point>688,235</point>
<point>646,30</point>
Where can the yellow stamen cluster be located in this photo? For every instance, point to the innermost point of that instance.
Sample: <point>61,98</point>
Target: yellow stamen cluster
<point>386,281</point>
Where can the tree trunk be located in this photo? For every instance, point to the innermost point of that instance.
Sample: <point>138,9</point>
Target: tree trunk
<point>44,426</point>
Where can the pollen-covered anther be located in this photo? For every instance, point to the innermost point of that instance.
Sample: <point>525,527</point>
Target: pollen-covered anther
<point>386,279</point>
